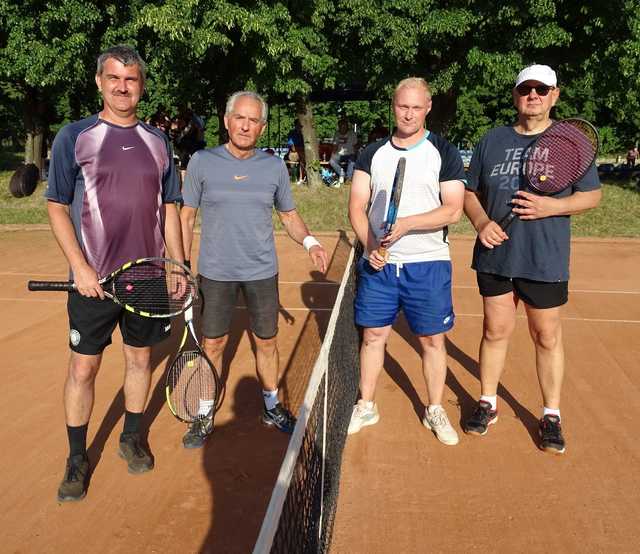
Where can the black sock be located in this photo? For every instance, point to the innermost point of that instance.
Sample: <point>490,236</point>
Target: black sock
<point>131,422</point>
<point>77,439</point>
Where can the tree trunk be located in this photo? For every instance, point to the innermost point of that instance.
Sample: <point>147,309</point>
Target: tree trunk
<point>304,111</point>
<point>35,128</point>
<point>442,112</point>
<point>221,107</point>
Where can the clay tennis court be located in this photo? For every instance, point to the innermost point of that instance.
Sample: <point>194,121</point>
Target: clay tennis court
<point>401,490</point>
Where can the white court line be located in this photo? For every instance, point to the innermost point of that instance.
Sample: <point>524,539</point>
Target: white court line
<point>585,319</point>
<point>326,283</point>
<point>594,291</point>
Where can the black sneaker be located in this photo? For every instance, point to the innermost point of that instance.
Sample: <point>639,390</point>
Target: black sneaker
<point>480,419</point>
<point>280,418</point>
<point>138,458</point>
<point>551,439</point>
<point>198,432</point>
<point>74,484</point>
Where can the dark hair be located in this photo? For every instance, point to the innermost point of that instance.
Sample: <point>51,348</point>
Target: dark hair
<point>126,55</point>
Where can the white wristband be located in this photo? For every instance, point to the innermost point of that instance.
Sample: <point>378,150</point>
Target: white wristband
<point>310,241</point>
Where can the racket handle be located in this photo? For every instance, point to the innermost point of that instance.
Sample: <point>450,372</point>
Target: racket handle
<point>51,285</point>
<point>506,220</point>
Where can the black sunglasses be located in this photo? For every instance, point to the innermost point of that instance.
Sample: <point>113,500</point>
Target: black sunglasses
<point>541,90</point>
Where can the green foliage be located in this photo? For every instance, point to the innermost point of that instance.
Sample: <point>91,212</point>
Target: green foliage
<point>199,51</point>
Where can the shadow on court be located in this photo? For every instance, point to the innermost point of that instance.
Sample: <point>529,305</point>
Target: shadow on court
<point>466,401</point>
<point>243,457</point>
<point>116,410</point>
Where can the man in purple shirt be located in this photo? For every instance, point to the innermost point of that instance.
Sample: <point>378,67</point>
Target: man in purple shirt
<point>111,195</point>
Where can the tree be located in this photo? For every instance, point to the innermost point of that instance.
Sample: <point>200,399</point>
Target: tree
<point>45,53</point>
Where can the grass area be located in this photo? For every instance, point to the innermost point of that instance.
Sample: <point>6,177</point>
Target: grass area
<point>325,209</point>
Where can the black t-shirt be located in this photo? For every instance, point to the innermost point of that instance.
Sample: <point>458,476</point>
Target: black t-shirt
<point>537,249</point>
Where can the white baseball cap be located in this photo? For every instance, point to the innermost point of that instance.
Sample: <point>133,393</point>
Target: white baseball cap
<point>536,72</point>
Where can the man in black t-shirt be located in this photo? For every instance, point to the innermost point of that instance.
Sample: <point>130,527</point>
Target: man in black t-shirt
<point>530,260</point>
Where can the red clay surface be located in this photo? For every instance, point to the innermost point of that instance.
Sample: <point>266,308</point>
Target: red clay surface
<point>209,500</point>
<point>402,491</point>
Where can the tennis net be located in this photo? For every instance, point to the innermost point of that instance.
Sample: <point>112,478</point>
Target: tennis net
<point>301,512</point>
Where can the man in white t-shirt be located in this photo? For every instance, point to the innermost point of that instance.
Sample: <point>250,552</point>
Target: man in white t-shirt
<point>412,272</point>
<point>344,150</point>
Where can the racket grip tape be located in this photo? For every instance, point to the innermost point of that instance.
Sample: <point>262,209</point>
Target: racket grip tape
<point>51,285</point>
<point>506,220</point>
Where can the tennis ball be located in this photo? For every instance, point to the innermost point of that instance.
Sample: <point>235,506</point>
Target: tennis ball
<point>543,177</point>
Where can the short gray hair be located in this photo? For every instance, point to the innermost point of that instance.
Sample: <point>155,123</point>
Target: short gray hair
<point>126,55</point>
<point>249,94</point>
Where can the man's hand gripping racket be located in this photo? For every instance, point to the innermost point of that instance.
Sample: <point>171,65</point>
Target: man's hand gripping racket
<point>558,158</point>
<point>394,206</point>
<point>149,287</point>
<point>193,386</point>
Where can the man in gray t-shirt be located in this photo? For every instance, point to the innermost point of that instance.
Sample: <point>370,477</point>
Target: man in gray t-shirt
<point>530,260</point>
<point>236,187</point>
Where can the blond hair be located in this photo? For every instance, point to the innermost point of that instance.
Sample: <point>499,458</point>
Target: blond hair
<point>413,82</point>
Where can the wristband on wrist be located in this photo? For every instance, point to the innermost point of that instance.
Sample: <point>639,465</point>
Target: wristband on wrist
<point>309,242</point>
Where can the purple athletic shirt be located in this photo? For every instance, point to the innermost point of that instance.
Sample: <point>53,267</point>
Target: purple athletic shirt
<point>116,181</point>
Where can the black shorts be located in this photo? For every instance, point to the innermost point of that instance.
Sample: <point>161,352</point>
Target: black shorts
<point>92,321</point>
<point>219,298</point>
<point>538,294</point>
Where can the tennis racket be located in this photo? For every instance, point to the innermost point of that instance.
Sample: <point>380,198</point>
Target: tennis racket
<point>149,287</point>
<point>394,201</point>
<point>558,158</point>
<point>192,385</point>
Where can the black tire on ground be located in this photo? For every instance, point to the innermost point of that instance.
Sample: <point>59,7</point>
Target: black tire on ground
<point>24,181</point>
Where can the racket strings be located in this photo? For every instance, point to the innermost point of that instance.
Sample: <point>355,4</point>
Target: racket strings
<point>561,156</point>
<point>156,287</point>
<point>192,386</point>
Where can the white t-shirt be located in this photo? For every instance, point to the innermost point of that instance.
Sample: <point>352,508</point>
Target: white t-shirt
<point>430,162</point>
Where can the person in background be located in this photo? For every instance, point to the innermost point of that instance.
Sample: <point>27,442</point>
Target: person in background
<point>344,150</point>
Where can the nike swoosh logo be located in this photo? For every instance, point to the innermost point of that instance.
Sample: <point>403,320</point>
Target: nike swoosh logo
<point>240,177</point>
<point>125,148</point>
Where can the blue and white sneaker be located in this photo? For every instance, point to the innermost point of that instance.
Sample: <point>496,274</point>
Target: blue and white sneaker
<point>280,418</point>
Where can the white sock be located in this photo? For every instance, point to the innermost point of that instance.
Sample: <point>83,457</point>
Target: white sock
<point>368,404</point>
<point>205,407</point>
<point>551,411</point>
<point>493,400</point>
<point>270,398</point>
<point>432,406</point>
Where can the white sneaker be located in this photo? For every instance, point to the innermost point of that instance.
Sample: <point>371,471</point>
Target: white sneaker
<point>364,413</point>
<point>436,419</point>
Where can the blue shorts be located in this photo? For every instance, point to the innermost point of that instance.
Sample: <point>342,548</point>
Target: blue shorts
<point>422,290</point>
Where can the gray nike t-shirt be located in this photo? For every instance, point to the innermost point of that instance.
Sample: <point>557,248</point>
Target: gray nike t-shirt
<point>236,200</point>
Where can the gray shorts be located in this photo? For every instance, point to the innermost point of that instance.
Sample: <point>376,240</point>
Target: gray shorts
<point>219,299</point>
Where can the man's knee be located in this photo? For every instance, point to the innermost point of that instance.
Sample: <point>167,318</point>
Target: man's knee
<point>548,339</point>
<point>432,342</point>
<point>214,347</point>
<point>83,369</point>
<point>494,331</point>
<point>266,346</point>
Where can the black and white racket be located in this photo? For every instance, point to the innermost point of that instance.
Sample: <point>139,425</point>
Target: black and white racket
<point>192,386</point>
<point>558,158</point>
<point>149,287</point>
<point>394,201</point>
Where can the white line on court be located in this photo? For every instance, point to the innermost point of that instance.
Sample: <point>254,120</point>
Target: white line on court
<point>327,283</point>
<point>585,319</point>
